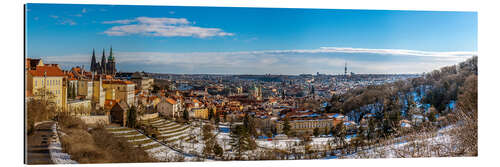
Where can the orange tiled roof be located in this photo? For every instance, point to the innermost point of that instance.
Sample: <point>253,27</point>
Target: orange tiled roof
<point>110,103</point>
<point>49,70</point>
<point>171,101</point>
<point>117,82</point>
<point>76,69</point>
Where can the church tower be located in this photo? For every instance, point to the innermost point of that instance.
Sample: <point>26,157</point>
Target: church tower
<point>93,62</point>
<point>103,63</point>
<point>111,66</point>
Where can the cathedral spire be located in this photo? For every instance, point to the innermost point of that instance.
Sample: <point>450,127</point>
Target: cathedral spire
<point>111,58</point>
<point>103,62</point>
<point>93,61</point>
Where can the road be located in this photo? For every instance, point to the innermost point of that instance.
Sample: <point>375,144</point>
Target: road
<point>38,144</point>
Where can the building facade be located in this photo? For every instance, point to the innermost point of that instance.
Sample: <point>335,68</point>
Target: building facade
<point>307,125</point>
<point>120,90</point>
<point>169,107</point>
<point>49,78</point>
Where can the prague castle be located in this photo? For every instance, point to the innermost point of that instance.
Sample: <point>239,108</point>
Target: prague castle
<point>103,67</point>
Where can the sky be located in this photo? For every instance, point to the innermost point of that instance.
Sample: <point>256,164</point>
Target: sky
<point>225,40</point>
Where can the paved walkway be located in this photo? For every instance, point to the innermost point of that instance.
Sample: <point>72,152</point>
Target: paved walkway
<point>38,144</point>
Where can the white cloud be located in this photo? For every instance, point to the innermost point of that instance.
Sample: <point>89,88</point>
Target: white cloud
<point>67,22</point>
<point>397,52</point>
<point>163,27</point>
<point>277,61</point>
<point>118,22</point>
<point>63,20</point>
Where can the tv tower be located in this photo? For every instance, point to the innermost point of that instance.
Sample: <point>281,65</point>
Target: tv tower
<point>345,71</point>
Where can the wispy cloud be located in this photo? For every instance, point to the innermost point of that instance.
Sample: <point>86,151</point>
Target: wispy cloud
<point>321,60</point>
<point>162,27</point>
<point>397,52</point>
<point>63,20</point>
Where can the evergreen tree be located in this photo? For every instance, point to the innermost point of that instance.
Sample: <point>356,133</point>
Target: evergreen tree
<point>185,115</point>
<point>241,140</point>
<point>286,127</point>
<point>249,124</point>
<point>218,149</point>
<point>132,116</point>
<point>217,119</point>
<point>316,132</point>
<point>208,139</point>
<point>210,113</point>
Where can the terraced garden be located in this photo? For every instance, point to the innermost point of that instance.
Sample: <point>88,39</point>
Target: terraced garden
<point>152,147</point>
<point>169,131</point>
<point>178,136</point>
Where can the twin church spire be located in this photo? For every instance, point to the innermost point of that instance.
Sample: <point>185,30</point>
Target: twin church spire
<point>104,67</point>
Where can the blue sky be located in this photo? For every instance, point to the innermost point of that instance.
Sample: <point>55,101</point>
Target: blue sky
<point>250,40</point>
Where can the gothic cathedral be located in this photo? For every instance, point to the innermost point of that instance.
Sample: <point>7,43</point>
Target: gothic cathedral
<point>103,67</point>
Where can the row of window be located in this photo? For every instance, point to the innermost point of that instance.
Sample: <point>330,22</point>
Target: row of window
<point>49,82</point>
<point>310,125</point>
<point>56,92</point>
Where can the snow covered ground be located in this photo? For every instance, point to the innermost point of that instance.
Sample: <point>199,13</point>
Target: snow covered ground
<point>55,149</point>
<point>155,149</point>
<point>431,144</point>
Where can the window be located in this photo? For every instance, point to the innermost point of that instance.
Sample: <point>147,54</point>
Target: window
<point>36,83</point>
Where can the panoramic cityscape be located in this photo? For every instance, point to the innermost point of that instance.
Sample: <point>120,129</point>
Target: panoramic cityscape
<point>129,84</point>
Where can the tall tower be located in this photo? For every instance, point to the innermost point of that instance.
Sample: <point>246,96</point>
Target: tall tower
<point>103,63</point>
<point>111,66</point>
<point>345,71</point>
<point>92,62</point>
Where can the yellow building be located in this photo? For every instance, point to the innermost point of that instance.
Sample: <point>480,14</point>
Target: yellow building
<point>201,113</point>
<point>50,78</point>
<point>79,107</point>
<point>121,90</point>
<point>85,88</point>
<point>307,125</point>
<point>99,95</point>
<point>143,82</point>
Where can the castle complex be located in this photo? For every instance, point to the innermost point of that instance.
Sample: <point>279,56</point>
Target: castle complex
<point>103,67</point>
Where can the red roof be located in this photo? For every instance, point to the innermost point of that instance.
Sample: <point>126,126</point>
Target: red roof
<point>171,101</point>
<point>110,103</point>
<point>117,82</point>
<point>76,69</point>
<point>49,71</point>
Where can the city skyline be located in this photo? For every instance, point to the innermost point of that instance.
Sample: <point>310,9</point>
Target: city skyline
<point>195,40</point>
